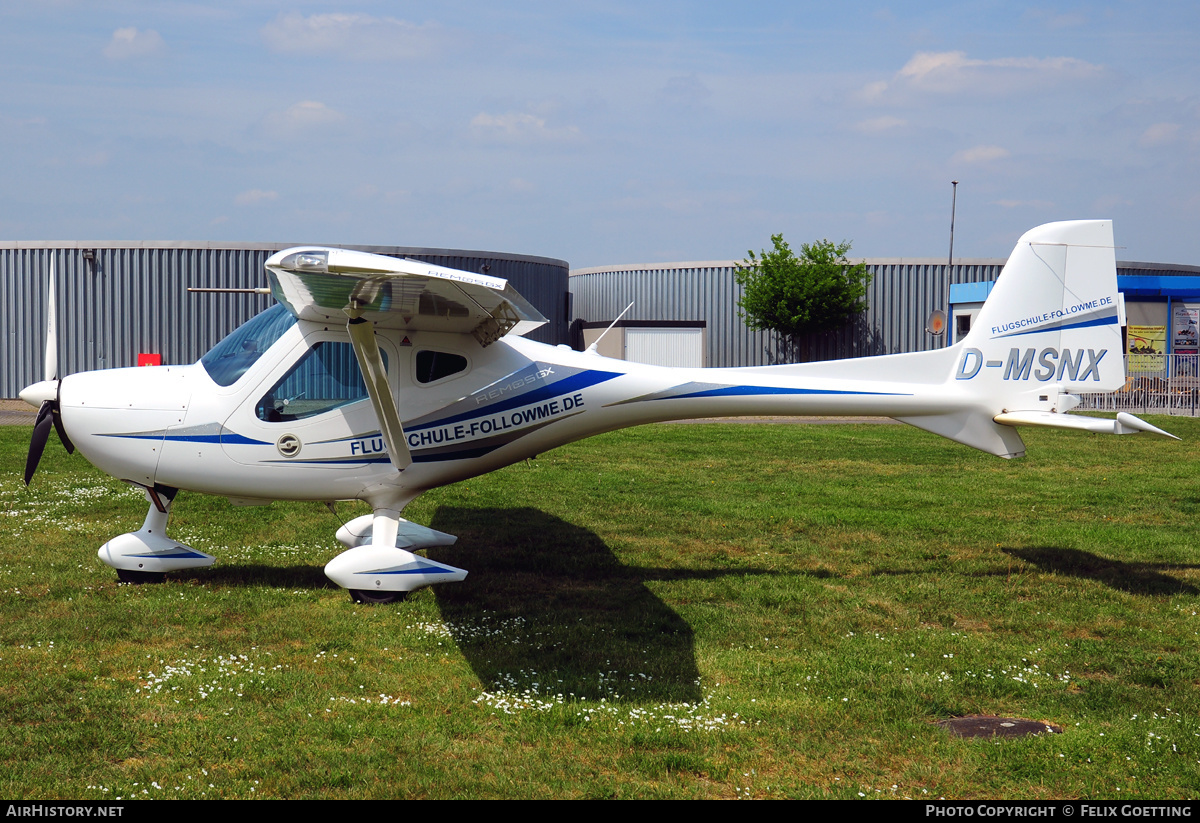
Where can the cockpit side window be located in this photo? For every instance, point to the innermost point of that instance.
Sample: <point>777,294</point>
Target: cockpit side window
<point>229,359</point>
<point>435,365</point>
<point>327,377</point>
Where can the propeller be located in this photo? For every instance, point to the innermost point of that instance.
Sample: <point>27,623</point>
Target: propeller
<point>47,392</point>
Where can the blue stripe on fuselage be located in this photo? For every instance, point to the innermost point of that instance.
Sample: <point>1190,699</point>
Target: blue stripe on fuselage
<point>744,391</point>
<point>565,386</point>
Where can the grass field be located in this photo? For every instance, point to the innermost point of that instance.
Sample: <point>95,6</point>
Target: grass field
<point>732,611</point>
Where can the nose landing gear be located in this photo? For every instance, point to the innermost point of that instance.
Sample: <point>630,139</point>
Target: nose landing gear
<point>145,556</point>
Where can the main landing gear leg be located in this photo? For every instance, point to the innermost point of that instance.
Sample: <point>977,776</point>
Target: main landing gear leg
<point>379,568</point>
<point>145,556</point>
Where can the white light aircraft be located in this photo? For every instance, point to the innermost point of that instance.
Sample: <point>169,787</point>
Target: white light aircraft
<point>376,379</point>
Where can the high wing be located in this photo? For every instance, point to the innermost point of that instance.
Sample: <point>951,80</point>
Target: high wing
<point>366,290</point>
<point>325,284</point>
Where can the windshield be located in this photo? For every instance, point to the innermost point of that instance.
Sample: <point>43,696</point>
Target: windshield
<point>229,359</point>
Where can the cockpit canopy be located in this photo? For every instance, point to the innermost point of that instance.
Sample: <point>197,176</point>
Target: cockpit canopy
<point>229,359</point>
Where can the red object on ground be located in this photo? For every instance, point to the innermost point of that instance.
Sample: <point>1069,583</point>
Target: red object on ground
<point>149,359</point>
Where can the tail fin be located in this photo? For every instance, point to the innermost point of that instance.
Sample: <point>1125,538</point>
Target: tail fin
<point>1053,319</point>
<point>1051,325</point>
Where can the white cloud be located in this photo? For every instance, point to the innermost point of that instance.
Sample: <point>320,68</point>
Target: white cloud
<point>873,91</point>
<point>130,43</point>
<point>253,197</point>
<point>1159,134</point>
<point>356,36</point>
<point>938,70</point>
<point>951,72</point>
<point>980,154</point>
<point>519,127</point>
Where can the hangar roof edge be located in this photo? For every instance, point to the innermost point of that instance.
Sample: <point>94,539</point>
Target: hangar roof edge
<point>719,264</point>
<point>272,247</point>
<point>870,261</point>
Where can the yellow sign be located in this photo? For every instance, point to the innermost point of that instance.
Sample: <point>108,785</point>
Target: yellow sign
<point>1147,345</point>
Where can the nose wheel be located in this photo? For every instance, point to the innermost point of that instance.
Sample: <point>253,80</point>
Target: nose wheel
<point>379,598</point>
<point>138,578</point>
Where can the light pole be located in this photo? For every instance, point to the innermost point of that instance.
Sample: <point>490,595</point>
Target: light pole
<point>953,204</point>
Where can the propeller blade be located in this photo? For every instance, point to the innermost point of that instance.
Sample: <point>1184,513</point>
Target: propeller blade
<point>47,415</point>
<point>62,432</point>
<point>52,330</point>
<point>41,433</point>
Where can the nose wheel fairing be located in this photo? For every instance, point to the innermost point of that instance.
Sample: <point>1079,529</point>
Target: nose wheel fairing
<point>137,556</point>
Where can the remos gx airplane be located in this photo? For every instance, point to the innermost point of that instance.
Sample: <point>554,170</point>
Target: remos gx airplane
<point>376,379</point>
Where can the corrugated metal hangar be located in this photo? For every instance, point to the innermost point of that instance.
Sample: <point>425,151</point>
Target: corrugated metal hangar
<point>687,313</point>
<point>117,300</point>
<point>900,298</point>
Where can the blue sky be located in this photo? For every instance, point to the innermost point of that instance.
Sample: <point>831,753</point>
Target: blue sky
<point>601,132</point>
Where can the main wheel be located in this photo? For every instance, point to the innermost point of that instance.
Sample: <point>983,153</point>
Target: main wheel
<point>376,598</point>
<point>137,578</point>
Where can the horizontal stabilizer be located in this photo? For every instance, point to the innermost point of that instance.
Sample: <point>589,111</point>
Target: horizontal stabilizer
<point>1123,424</point>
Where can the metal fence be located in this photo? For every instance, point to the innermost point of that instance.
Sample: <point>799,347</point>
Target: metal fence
<point>1154,384</point>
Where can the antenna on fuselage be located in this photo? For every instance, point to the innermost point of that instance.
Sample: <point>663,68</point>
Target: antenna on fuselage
<point>592,348</point>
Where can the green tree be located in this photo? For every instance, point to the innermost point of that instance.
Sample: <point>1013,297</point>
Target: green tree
<point>798,297</point>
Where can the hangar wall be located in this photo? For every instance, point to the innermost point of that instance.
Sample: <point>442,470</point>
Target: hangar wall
<point>900,297</point>
<point>118,299</point>
<point>902,293</point>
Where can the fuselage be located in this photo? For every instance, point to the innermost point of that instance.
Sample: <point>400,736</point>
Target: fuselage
<point>376,379</point>
<point>291,422</point>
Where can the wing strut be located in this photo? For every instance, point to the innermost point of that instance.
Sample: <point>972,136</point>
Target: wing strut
<point>370,362</point>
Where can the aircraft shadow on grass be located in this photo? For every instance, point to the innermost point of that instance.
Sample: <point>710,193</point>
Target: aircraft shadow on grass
<point>257,574</point>
<point>547,601</point>
<point>562,605</point>
<point>1133,578</point>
